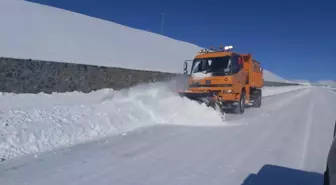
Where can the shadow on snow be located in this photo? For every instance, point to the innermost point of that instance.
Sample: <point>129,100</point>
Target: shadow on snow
<point>277,175</point>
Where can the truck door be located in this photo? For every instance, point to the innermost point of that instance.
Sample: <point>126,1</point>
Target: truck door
<point>238,73</point>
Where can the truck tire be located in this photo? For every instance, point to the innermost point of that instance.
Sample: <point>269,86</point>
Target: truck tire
<point>240,108</point>
<point>257,98</point>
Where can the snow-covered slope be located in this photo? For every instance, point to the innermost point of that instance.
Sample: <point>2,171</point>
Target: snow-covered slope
<point>268,76</point>
<point>303,82</point>
<point>36,31</point>
<point>30,30</point>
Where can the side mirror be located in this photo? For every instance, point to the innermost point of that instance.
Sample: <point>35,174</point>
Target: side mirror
<point>185,68</point>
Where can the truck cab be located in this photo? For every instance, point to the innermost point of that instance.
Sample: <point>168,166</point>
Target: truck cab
<point>225,78</point>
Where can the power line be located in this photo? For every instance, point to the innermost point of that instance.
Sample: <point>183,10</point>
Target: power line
<point>162,18</point>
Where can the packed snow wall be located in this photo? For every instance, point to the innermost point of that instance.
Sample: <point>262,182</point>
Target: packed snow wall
<point>32,76</point>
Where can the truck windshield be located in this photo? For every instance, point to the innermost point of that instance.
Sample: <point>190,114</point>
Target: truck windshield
<point>211,65</point>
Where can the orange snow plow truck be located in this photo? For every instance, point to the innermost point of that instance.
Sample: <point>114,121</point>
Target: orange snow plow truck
<point>224,79</point>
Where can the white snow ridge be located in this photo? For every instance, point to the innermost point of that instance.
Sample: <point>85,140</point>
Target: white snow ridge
<point>36,129</point>
<point>36,123</point>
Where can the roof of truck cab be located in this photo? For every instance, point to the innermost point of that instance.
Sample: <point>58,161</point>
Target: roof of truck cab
<point>220,54</point>
<point>214,54</point>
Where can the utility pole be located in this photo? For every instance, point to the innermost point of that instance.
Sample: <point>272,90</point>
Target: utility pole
<point>162,23</point>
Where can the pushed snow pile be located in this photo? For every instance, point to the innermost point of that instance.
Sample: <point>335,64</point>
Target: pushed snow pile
<point>50,125</point>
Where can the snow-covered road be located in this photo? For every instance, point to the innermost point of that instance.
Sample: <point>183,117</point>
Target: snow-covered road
<point>281,143</point>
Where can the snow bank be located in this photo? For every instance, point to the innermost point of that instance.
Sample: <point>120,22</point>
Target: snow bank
<point>28,101</point>
<point>57,123</point>
<point>269,91</point>
<point>34,123</point>
<point>328,83</point>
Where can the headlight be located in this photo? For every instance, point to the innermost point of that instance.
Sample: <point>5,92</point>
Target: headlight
<point>227,91</point>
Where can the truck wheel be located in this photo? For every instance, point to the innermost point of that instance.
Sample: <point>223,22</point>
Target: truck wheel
<point>257,98</point>
<point>240,108</point>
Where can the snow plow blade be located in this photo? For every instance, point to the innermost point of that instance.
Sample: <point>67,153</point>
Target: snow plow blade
<point>210,100</point>
<point>201,97</point>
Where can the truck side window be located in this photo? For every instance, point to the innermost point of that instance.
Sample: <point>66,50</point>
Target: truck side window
<point>236,66</point>
<point>240,62</point>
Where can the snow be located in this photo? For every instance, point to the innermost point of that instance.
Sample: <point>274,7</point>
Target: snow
<point>330,88</point>
<point>36,123</point>
<point>269,91</point>
<point>328,83</point>
<point>147,132</point>
<point>36,31</point>
<point>200,75</point>
<point>268,76</point>
<point>289,136</point>
<point>66,120</point>
<point>47,33</point>
<point>29,101</point>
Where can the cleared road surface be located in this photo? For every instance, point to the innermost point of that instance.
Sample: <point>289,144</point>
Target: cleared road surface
<point>284,142</point>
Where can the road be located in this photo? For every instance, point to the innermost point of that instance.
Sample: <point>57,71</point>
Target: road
<point>284,142</point>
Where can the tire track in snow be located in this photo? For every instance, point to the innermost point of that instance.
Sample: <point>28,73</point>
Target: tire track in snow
<point>321,130</point>
<point>257,142</point>
<point>309,123</point>
<point>271,106</point>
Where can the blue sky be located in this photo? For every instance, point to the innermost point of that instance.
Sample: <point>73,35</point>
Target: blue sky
<point>295,40</point>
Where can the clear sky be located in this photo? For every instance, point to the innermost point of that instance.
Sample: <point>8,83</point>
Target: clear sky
<point>293,39</point>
